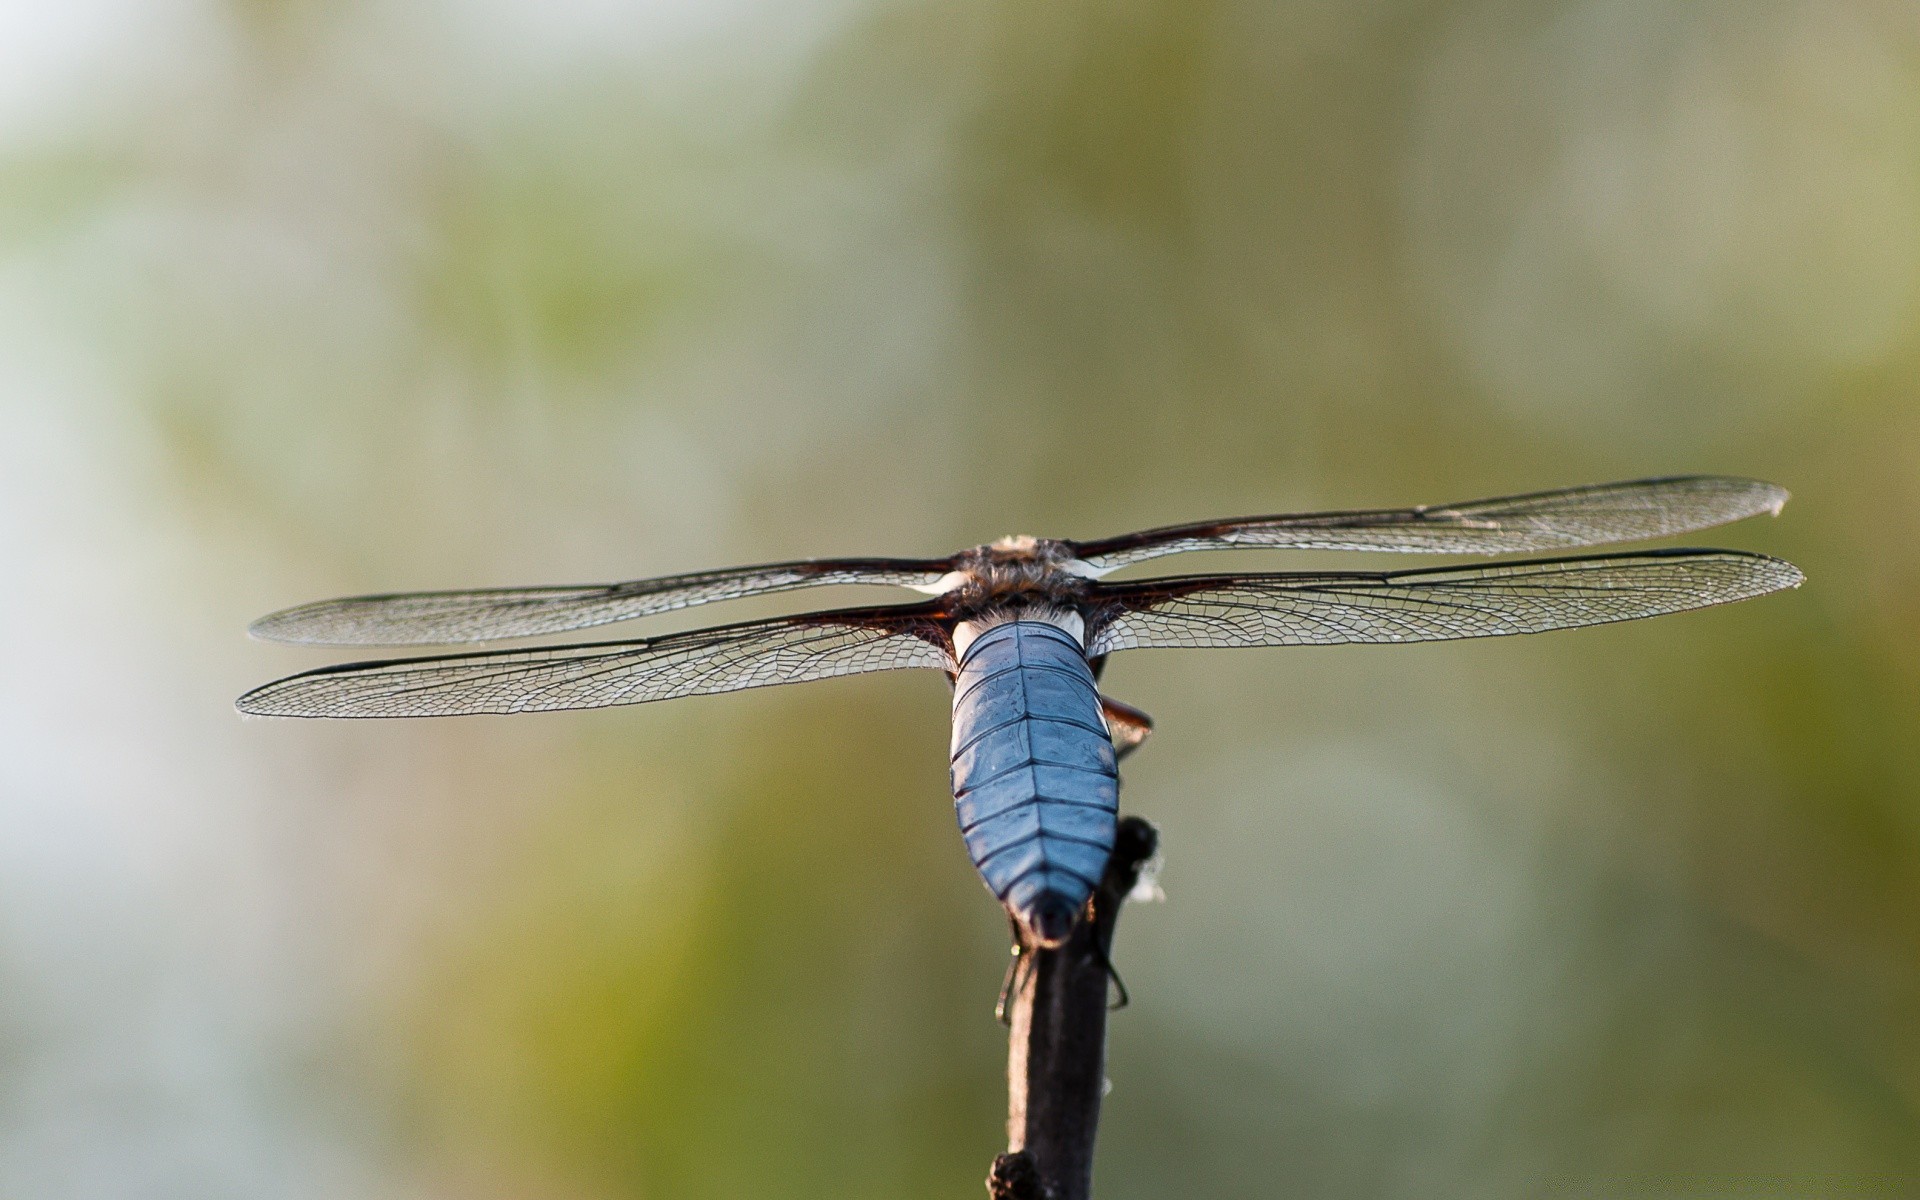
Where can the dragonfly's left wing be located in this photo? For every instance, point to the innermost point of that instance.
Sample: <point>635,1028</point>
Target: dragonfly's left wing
<point>1300,609</point>
<point>1595,515</point>
<point>602,674</point>
<point>427,618</point>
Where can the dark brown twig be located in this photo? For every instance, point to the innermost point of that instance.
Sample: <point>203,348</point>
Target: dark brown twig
<point>1057,1045</point>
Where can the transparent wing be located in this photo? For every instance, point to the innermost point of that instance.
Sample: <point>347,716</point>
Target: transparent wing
<point>1582,516</point>
<point>602,674</point>
<point>1429,605</point>
<point>426,618</point>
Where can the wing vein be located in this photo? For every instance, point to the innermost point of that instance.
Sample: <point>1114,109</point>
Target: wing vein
<point>426,618</point>
<point>599,674</point>
<point>1594,515</point>
<point>1426,605</point>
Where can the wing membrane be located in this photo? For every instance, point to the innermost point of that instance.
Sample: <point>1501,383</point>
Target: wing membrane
<point>1427,605</point>
<point>603,674</point>
<point>426,618</point>
<point>1583,516</point>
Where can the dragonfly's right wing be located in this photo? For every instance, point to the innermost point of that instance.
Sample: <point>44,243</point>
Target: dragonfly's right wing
<point>1309,609</point>
<point>428,618</point>
<point>1583,516</point>
<point>602,674</point>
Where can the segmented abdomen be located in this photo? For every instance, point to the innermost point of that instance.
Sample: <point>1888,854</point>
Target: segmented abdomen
<point>1034,781</point>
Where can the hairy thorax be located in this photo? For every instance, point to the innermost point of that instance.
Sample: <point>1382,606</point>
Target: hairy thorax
<point>1016,579</point>
<point>1013,574</point>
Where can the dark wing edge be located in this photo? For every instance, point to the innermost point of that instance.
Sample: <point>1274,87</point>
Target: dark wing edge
<point>1437,604</point>
<point>1565,518</point>
<point>429,618</point>
<point>603,674</point>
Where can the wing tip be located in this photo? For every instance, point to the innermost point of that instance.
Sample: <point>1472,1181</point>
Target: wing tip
<point>268,629</point>
<point>250,708</point>
<point>1769,498</point>
<point>259,702</point>
<point>332,623</point>
<point>290,695</point>
<point>1770,574</point>
<point>293,626</point>
<point>1755,496</point>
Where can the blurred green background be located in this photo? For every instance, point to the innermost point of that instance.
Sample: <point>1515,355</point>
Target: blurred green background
<point>301,299</point>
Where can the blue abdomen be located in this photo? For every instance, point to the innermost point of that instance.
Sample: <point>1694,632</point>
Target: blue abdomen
<point>1034,781</point>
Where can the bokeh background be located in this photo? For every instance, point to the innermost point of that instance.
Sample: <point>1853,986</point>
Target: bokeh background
<point>301,299</point>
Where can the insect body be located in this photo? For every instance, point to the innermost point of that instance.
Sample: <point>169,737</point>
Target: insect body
<point>1022,627</point>
<point>1035,783</point>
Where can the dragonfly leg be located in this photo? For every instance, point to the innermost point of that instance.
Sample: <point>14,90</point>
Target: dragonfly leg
<point>1126,725</point>
<point>1003,1007</point>
<point>1105,963</point>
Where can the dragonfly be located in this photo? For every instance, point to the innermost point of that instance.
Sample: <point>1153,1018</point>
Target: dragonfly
<point>1023,626</point>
